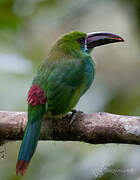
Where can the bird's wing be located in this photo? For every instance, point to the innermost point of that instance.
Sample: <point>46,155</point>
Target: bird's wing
<point>65,84</point>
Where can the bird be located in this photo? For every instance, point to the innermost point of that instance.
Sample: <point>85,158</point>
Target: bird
<point>64,76</point>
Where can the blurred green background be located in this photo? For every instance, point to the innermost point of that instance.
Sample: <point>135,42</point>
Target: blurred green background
<point>28,29</point>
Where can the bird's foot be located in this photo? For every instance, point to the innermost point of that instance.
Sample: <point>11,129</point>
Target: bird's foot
<point>74,112</point>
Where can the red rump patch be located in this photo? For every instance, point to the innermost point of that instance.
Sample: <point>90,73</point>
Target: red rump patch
<point>36,95</point>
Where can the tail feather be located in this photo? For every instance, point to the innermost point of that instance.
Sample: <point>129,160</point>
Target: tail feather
<point>21,167</point>
<point>30,141</point>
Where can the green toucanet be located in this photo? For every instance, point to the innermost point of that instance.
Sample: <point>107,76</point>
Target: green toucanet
<point>61,80</point>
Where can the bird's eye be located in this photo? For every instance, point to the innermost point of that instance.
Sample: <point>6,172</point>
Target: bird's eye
<point>81,40</point>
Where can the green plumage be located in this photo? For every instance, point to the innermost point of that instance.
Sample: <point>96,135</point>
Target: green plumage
<point>64,76</point>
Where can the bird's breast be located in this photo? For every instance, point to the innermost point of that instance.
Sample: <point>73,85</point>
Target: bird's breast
<point>67,85</point>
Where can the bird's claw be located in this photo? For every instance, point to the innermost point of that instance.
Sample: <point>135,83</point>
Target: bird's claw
<point>74,112</point>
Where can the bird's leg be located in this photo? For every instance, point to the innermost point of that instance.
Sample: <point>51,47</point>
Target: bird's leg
<point>74,112</point>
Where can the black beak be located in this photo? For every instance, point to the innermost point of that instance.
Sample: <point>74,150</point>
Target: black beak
<point>101,38</point>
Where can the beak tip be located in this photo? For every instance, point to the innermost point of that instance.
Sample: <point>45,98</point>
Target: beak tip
<point>122,40</point>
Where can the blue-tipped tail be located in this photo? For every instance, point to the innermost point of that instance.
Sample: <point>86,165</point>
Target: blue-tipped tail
<point>30,140</point>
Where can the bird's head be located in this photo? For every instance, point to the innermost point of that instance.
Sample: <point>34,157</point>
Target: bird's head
<point>85,42</point>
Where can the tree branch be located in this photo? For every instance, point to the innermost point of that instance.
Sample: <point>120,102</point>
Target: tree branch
<point>96,128</point>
